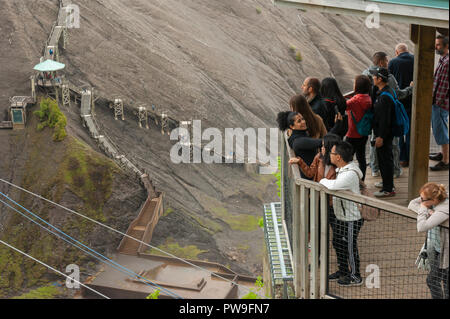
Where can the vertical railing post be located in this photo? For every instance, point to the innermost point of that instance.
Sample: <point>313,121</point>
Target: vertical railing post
<point>304,221</point>
<point>314,241</point>
<point>323,244</point>
<point>283,172</point>
<point>296,240</point>
<point>33,87</point>
<point>424,56</point>
<point>92,101</point>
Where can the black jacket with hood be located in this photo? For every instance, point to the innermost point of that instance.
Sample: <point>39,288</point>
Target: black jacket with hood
<point>384,115</point>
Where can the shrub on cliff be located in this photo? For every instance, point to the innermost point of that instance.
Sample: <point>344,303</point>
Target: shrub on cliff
<point>50,115</point>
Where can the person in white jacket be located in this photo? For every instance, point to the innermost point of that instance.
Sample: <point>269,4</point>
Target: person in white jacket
<point>432,209</point>
<point>348,222</point>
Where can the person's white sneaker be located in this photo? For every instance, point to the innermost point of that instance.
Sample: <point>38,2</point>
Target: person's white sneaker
<point>379,185</point>
<point>384,194</point>
<point>398,175</point>
<point>375,174</point>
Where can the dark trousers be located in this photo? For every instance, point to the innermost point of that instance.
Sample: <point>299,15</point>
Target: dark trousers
<point>386,164</point>
<point>404,147</point>
<point>404,141</point>
<point>436,277</point>
<point>345,235</point>
<point>359,146</point>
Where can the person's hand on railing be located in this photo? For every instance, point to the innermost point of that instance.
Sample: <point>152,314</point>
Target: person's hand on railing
<point>411,84</point>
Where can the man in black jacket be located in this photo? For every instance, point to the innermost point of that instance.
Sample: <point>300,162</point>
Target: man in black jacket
<point>311,90</point>
<point>383,121</point>
<point>402,67</point>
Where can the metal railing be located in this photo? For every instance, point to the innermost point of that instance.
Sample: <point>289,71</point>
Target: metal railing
<point>278,249</point>
<point>387,247</point>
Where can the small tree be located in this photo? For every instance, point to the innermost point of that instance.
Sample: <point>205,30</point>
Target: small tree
<point>50,115</point>
<point>254,294</point>
<point>154,295</point>
<point>261,222</point>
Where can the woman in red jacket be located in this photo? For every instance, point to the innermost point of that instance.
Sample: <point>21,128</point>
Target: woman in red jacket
<point>357,106</point>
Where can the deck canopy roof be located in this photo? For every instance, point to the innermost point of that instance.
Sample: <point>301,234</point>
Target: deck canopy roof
<point>432,13</point>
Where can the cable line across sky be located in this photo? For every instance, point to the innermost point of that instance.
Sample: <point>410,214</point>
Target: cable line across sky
<point>77,244</point>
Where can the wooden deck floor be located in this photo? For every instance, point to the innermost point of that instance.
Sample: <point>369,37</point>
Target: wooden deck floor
<point>401,183</point>
<point>392,244</point>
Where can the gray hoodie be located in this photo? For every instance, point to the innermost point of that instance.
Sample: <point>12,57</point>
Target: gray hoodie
<point>347,179</point>
<point>392,83</point>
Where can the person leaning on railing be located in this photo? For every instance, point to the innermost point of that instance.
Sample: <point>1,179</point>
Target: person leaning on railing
<point>299,139</point>
<point>321,166</point>
<point>348,220</point>
<point>432,209</point>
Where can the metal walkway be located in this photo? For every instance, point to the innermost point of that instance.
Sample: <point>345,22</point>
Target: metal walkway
<point>278,247</point>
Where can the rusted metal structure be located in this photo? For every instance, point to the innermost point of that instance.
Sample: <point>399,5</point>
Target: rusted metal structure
<point>142,227</point>
<point>186,281</point>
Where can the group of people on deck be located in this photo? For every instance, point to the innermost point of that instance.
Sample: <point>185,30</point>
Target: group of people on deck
<point>324,131</point>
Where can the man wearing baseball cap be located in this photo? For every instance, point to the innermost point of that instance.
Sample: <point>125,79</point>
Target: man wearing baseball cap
<point>383,120</point>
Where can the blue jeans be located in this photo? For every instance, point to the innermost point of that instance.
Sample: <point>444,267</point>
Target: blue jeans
<point>439,124</point>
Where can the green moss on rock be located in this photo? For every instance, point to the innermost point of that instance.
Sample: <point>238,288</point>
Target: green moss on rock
<point>242,222</point>
<point>186,252</point>
<point>46,292</point>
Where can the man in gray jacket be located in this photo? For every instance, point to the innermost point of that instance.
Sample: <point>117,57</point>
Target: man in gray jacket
<point>348,220</point>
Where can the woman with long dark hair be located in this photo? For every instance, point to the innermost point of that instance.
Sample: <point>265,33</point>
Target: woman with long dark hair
<point>334,100</point>
<point>299,140</point>
<point>357,106</point>
<point>314,123</point>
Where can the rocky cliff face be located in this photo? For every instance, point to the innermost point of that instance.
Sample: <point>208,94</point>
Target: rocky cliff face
<point>230,63</point>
